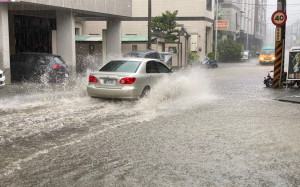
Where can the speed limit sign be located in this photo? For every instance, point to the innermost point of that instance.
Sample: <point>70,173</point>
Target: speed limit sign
<point>279,18</point>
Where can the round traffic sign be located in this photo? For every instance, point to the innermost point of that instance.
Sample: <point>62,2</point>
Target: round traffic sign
<point>279,18</point>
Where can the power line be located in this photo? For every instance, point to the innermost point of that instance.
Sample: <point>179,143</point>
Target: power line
<point>265,5</point>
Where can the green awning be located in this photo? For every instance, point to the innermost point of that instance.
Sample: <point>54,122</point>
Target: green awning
<point>98,38</point>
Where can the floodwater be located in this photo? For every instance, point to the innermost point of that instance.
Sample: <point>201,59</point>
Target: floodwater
<point>197,127</point>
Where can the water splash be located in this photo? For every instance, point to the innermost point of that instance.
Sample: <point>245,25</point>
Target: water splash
<point>182,90</point>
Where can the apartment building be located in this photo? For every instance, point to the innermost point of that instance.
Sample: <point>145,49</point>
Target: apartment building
<point>26,24</point>
<point>194,16</point>
<point>247,21</point>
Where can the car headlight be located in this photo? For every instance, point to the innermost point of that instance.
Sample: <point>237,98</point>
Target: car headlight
<point>261,58</point>
<point>273,58</point>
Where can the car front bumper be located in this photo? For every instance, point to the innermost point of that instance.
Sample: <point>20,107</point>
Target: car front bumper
<point>264,61</point>
<point>126,92</point>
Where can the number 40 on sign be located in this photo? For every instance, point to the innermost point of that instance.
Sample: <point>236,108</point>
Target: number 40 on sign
<point>279,18</point>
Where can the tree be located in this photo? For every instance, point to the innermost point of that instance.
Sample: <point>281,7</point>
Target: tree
<point>166,24</point>
<point>229,50</point>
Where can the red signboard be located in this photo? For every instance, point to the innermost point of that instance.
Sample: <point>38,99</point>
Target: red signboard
<point>222,24</point>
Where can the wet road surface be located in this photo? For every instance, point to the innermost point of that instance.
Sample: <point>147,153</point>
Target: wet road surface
<point>218,127</point>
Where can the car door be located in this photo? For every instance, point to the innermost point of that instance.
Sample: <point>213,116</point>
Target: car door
<point>152,71</point>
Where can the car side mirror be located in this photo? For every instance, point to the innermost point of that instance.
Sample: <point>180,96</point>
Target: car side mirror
<point>257,53</point>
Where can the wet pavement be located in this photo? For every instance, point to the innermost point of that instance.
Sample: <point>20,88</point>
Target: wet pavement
<point>199,127</point>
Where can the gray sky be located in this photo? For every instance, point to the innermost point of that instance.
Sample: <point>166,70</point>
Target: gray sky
<point>293,13</point>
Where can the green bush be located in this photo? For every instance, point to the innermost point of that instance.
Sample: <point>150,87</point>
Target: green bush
<point>229,50</point>
<point>193,58</point>
<point>211,55</point>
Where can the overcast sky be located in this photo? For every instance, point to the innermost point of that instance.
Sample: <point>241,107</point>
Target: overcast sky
<point>293,13</point>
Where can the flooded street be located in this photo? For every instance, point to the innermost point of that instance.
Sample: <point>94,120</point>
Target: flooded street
<point>199,127</point>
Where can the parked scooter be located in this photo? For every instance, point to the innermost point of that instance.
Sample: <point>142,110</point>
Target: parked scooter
<point>207,63</point>
<point>268,81</point>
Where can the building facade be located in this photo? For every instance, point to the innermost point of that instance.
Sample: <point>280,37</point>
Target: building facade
<point>196,16</point>
<point>32,25</point>
<point>247,22</point>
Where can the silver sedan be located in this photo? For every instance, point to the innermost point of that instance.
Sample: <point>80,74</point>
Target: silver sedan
<point>126,78</point>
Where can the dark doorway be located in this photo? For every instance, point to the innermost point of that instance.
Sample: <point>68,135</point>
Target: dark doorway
<point>34,34</point>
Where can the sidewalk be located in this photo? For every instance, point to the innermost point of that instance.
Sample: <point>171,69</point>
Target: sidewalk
<point>291,94</point>
<point>292,99</point>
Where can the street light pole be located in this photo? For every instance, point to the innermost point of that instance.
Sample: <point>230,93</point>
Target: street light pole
<point>247,32</point>
<point>149,25</point>
<point>216,34</point>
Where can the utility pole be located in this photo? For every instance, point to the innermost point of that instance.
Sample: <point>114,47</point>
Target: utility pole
<point>279,19</point>
<point>216,34</point>
<point>149,24</point>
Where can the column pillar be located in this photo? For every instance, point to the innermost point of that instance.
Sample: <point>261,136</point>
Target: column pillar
<point>4,42</point>
<point>104,48</point>
<point>113,38</point>
<point>65,38</point>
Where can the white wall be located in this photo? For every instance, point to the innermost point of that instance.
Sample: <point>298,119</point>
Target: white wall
<point>4,42</point>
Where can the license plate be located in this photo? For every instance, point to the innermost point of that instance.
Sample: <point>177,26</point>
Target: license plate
<point>109,81</point>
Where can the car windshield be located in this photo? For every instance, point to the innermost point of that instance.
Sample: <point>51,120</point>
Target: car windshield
<point>267,52</point>
<point>121,66</point>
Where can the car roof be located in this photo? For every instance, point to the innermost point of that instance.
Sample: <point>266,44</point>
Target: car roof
<point>135,59</point>
<point>297,48</point>
<point>268,48</point>
<point>37,53</point>
<point>143,52</point>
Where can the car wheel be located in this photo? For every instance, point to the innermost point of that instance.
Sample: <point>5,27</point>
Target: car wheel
<point>145,92</point>
<point>298,84</point>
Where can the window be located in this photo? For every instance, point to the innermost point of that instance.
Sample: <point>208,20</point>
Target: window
<point>58,60</point>
<point>173,49</point>
<point>151,67</point>
<point>121,66</point>
<point>162,68</point>
<point>209,5</point>
<point>77,31</point>
<point>134,47</point>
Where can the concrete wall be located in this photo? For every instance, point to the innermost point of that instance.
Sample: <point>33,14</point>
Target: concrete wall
<point>190,8</point>
<point>93,27</point>
<point>114,38</point>
<point>4,41</point>
<point>114,7</point>
<point>194,11</point>
<point>127,47</point>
